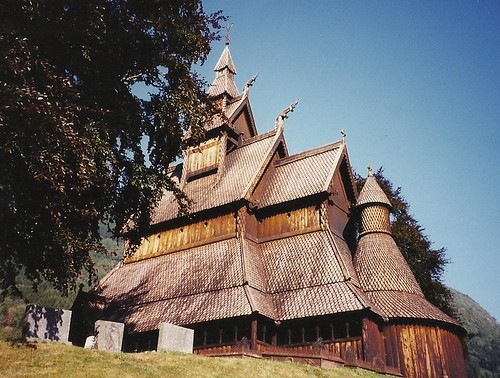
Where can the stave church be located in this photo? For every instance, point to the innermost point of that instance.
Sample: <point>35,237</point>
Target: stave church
<point>279,258</point>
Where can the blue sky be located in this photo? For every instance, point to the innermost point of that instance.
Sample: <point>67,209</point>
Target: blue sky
<point>416,86</point>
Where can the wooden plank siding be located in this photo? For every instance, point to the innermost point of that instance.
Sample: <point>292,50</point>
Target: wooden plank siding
<point>373,342</point>
<point>203,156</point>
<point>420,351</point>
<point>288,223</point>
<point>188,236</point>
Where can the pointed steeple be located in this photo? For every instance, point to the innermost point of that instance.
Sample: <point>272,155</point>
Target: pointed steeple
<point>373,207</point>
<point>383,273</point>
<point>223,84</point>
<point>378,259</point>
<point>372,192</point>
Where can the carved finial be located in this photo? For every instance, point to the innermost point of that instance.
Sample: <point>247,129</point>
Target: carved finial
<point>250,83</point>
<point>228,29</point>
<point>284,114</point>
<point>370,171</point>
<point>343,133</point>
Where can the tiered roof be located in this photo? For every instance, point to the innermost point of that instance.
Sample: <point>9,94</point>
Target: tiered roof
<point>297,276</point>
<point>383,272</point>
<point>241,167</point>
<point>291,276</point>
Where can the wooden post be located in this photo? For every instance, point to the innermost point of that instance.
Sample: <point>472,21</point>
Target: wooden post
<point>254,335</point>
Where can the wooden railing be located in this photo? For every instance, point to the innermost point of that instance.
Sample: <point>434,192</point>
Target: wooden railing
<point>346,352</point>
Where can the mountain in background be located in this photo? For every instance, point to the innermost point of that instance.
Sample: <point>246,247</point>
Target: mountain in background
<point>483,339</point>
<point>482,343</point>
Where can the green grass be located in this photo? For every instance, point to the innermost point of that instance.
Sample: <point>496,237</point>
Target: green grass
<point>59,360</point>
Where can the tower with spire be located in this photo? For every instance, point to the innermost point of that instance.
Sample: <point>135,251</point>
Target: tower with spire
<point>268,262</point>
<point>415,329</point>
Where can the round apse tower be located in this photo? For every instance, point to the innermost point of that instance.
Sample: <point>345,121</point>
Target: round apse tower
<point>420,340</point>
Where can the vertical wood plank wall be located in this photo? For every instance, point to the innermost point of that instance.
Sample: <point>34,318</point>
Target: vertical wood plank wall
<point>191,235</point>
<point>288,223</point>
<point>205,155</point>
<point>373,342</point>
<point>424,351</point>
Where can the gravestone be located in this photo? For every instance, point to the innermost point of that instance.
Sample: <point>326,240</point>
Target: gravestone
<point>109,335</point>
<point>173,337</point>
<point>46,323</point>
<point>90,342</point>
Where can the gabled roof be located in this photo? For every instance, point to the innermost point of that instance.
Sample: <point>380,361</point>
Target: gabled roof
<point>230,113</point>
<point>302,175</point>
<point>241,167</point>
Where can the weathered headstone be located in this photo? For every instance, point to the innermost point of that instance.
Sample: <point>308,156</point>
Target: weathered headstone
<point>46,323</point>
<point>173,337</point>
<point>109,335</point>
<point>90,342</point>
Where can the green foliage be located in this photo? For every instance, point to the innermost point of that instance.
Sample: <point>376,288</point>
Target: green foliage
<point>483,339</point>
<point>71,129</point>
<point>426,263</point>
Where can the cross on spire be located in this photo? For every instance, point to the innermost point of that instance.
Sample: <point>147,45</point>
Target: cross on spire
<point>228,29</point>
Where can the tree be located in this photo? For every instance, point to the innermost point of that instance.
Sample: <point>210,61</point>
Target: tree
<point>426,263</point>
<point>72,131</point>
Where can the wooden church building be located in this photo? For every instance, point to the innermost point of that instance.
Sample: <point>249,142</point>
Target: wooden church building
<point>279,258</point>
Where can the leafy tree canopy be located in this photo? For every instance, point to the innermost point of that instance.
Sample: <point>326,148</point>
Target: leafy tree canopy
<point>426,263</point>
<point>72,130</point>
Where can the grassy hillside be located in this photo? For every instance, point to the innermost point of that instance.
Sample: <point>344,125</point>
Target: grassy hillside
<point>57,360</point>
<point>483,341</point>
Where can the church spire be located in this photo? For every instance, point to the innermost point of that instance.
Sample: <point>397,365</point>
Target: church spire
<point>378,260</point>
<point>223,85</point>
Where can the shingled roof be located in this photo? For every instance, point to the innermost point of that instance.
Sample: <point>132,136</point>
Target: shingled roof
<point>309,276</point>
<point>200,284</point>
<point>383,272</point>
<point>312,172</point>
<point>224,79</point>
<point>298,276</point>
<point>282,277</point>
<point>240,168</point>
<point>372,193</point>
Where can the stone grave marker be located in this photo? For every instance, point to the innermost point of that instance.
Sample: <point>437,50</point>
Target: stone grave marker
<point>46,323</point>
<point>173,337</point>
<point>109,335</point>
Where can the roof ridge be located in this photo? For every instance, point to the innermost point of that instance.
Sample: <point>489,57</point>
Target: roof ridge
<point>258,138</point>
<point>308,153</point>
